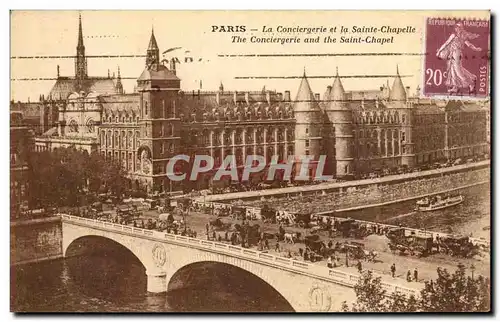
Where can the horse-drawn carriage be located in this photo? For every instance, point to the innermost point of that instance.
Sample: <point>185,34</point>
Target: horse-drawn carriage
<point>460,246</point>
<point>303,220</point>
<point>412,244</point>
<point>183,204</point>
<point>268,214</point>
<point>218,224</point>
<point>357,250</point>
<point>349,227</point>
<point>318,249</point>
<point>238,213</point>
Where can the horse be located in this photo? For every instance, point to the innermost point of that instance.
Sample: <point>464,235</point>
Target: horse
<point>290,238</point>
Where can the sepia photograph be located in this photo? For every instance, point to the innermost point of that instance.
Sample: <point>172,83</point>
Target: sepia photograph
<point>250,161</point>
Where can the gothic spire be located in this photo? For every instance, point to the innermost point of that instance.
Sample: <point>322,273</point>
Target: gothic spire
<point>80,32</point>
<point>119,85</point>
<point>80,61</point>
<point>153,53</point>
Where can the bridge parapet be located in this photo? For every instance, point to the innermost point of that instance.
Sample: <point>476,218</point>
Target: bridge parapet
<point>288,264</point>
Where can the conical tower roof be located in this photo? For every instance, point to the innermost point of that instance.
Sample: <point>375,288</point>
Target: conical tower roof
<point>152,41</point>
<point>304,101</point>
<point>337,94</point>
<point>397,92</point>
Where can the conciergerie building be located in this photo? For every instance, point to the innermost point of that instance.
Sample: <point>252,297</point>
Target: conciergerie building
<point>357,131</point>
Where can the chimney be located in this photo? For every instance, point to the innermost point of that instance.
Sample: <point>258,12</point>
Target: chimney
<point>217,98</point>
<point>287,96</point>
<point>268,97</point>
<point>317,97</point>
<point>172,66</point>
<point>235,97</point>
<point>247,97</point>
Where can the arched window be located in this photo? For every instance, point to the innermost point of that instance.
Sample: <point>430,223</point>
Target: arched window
<point>73,126</point>
<point>90,126</point>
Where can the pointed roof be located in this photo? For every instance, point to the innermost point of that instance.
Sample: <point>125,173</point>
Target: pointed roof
<point>80,32</point>
<point>337,92</point>
<point>152,41</point>
<point>337,95</point>
<point>397,92</point>
<point>304,101</point>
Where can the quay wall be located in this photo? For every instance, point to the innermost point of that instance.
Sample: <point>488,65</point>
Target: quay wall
<point>35,240</point>
<point>346,187</point>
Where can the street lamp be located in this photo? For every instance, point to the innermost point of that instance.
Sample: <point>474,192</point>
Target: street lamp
<point>347,257</point>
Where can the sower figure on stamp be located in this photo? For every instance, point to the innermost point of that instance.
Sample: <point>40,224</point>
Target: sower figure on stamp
<point>452,51</point>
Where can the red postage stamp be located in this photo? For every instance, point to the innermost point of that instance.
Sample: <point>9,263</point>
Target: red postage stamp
<point>457,57</point>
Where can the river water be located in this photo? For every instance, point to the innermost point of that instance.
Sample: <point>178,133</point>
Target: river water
<point>118,284</point>
<point>113,282</point>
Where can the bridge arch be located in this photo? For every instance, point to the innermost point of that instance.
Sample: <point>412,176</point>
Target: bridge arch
<point>211,279</point>
<point>95,244</point>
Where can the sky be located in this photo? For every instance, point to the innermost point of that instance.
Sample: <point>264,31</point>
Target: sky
<point>54,33</point>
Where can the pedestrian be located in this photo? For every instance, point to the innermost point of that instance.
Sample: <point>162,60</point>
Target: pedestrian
<point>214,237</point>
<point>415,275</point>
<point>219,238</point>
<point>408,276</point>
<point>301,252</point>
<point>329,262</point>
<point>277,247</point>
<point>226,236</point>
<point>266,243</point>
<point>207,226</point>
<point>330,244</point>
<point>359,266</point>
<point>393,270</point>
<point>135,223</point>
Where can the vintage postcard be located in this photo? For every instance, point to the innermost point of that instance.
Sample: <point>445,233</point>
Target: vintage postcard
<point>250,161</point>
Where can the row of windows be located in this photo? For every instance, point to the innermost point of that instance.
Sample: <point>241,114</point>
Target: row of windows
<point>123,139</point>
<point>383,134</point>
<point>380,118</point>
<point>166,111</point>
<point>250,136</point>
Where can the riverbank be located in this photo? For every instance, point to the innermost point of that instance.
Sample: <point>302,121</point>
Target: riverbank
<point>339,187</point>
<point>371,196</point>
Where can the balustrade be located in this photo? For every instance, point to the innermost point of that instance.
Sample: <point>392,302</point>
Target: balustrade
<point>322,272</point>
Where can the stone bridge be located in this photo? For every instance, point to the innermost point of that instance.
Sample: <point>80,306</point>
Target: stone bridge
<point>305,286</point>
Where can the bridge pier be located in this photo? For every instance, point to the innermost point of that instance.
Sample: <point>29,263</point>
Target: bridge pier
<point>157,282</point>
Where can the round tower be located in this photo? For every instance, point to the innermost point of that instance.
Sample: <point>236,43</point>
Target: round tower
<point>340,116</point>
<point>308,124</point>
<point>398,100</point>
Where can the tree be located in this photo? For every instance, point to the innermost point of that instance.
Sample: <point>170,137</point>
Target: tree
<point>64,176</point>
<point>455,292</point>
<point>372,297</point>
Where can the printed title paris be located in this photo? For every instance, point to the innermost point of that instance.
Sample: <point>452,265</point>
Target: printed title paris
<point>321,29</point>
